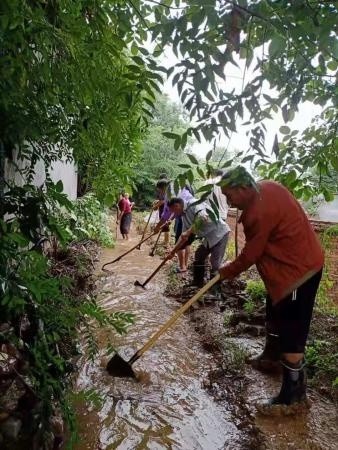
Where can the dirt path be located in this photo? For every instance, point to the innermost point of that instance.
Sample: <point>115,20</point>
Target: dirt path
<point>171,409</point>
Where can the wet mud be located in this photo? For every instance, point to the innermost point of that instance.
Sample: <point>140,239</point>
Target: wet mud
<point>171,405</point>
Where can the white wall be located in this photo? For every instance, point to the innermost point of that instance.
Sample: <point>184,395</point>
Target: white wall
<point>329,211</point>
<point>60,170</point>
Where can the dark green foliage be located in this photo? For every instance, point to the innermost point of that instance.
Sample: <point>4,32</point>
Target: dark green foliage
<point>256,295</point>
<point>88,219</point>
<point>41,308</point>
<point>322,362</point>
<point>69,86</point>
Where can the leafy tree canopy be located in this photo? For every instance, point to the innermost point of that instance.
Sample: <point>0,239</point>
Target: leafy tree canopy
<point>70,82</point>
<point>292,51</point>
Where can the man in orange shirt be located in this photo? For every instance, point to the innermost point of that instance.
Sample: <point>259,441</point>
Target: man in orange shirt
<point>289,259</point>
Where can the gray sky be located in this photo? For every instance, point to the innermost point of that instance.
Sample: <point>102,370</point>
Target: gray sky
<point>234,80</point>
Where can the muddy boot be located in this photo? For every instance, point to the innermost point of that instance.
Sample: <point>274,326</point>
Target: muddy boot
<point>213,295</point>
<point>292,394</point>
<point>269,360</point>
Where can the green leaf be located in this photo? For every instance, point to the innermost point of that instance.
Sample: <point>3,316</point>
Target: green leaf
<point>332,65</point>
<point>285,113</point>
<point>134,49</point>
<point>192,158</point>
<point>284,130</point>
<point>328,195</point>
<point>59,186</point>
<point>205,188</point>
<point>277,46</point>
<point>170,135</point>
<point>247,158</point>
<point>184,139</point>
<point>275,146</point>
<point>227,163</point>
<point>201,173</point>
<point>190,176</point>
<point>196,134</point>
<point>208,156</point>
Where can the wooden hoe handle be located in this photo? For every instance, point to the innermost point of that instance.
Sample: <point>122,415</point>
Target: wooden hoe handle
<point>174,318</point>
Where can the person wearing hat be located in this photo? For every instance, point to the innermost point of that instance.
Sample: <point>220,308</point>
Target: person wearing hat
<point>281,243</point>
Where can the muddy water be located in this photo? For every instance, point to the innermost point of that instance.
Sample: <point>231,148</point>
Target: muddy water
<point>169,409</point>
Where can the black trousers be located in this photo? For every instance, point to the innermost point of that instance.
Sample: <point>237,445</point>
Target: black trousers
<point>292,315</point>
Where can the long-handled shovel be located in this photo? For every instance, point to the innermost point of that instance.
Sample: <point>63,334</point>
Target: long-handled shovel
<point>118,367</point>
<point>128,251</point>
<point>177,247</point>
<point>152,253</point>
<point>145,229</point>
<point>133,248</point>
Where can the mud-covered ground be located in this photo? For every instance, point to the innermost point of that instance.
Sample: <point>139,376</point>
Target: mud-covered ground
<point>233,336</point>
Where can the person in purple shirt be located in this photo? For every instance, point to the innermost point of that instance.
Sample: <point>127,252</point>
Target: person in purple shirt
<point>161,204</point>
<point>185,194</point>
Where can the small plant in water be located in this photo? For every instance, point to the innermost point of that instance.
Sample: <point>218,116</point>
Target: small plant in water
<point>227,318</point>
<point>322,361</point>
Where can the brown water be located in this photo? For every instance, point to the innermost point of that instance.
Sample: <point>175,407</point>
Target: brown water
<point>169,409</point>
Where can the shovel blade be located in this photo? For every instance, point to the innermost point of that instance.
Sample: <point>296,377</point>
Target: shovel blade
<point>118,367</point>
<point>137,283</point>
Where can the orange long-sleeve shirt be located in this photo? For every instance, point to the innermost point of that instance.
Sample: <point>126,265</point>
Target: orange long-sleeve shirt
<point>279,240</point>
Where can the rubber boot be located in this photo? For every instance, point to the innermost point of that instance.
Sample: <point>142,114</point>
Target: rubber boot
<point>292,393</point>
<point>269,360</point>
<point>214,293</point>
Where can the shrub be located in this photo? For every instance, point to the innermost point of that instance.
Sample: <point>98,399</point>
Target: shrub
<point>256,293</point>
<point>39,313</point>
<point>255,290</point>
<point>322,361</point>
<point>88,220</point>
